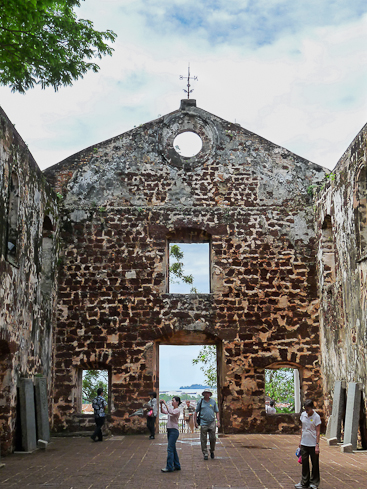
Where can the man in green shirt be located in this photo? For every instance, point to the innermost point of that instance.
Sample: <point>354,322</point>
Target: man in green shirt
<point>209,419</point>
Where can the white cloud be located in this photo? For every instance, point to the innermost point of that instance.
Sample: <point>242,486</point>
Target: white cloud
<point>298,80</point>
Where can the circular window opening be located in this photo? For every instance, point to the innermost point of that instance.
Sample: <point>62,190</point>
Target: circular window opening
<point>188,144</point>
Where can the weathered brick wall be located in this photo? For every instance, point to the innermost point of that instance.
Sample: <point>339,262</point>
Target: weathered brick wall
<point>342,269</point>
<point>122,200</point>
<point>26,311</point>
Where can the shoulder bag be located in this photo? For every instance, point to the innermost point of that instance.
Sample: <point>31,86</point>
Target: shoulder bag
<point>198,420</point>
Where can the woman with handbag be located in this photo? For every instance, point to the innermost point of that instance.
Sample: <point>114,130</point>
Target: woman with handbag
<point>173,462</point>
<point>152,413</point>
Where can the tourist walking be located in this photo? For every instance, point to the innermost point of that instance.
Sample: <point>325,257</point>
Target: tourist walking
<point>152,413</point>
<point>173,462</point>
<point>99,405</point>
<point>309,445</point>
<point>209,420</point>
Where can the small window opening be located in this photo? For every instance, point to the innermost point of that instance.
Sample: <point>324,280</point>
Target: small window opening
<point>189,267</point>
<point>328,251</point>
<point>188,144</point>
<point>282,391</point>
<point>361,212</point>
<point>12,224</point>
<point>47,249</point>
<point>91,381</point>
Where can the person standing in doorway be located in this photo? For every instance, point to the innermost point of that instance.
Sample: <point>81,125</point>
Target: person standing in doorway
<point>152,413</point>
<point>99,405</point>
<point>309,445</point>
<point>271,408</point>
<point>209,420</point>
<point>188,414</point>
<point>173,462</point>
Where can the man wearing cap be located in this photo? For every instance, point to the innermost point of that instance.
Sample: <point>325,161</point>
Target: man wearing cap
<point>209,413</point>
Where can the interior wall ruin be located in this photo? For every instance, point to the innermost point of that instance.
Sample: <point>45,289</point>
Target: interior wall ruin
<point>27,299</point>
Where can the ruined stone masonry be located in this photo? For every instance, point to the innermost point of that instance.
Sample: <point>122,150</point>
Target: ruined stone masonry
<point>124,200</point>
<point>277,261</point>
<point>341,227</point>
<point>28,249</point>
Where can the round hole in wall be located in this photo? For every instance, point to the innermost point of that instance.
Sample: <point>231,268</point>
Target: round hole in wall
<point>188,144</point>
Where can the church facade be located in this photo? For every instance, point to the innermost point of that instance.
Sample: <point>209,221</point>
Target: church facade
<point>274,251</point>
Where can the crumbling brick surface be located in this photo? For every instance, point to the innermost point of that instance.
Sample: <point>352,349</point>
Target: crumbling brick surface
<point>342,269</point>
<point>26,310</point>
<point>122,200</point>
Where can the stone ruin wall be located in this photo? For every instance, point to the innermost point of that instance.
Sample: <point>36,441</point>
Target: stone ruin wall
<point>123,200</point>
<point>341,227</point>
<point>27,293</point>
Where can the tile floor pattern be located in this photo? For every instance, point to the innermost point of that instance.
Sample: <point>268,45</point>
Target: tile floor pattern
<point>242,462</point>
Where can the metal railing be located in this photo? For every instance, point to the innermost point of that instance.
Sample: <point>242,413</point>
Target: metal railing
<point>182,426</point>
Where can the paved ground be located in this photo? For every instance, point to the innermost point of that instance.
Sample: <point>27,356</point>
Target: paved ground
<point>242,462</point>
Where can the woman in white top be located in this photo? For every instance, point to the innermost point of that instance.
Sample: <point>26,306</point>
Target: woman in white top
<point>309,445</point>
<point>173,462</point>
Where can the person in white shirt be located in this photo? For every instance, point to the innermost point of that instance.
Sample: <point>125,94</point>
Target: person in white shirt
<point>309,445</point>
<point>270,409</point>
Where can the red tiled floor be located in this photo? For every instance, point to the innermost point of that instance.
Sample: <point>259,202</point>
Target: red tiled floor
<point>242,462</point>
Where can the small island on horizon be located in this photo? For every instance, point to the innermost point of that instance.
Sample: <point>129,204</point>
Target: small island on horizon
<point>195,386</point>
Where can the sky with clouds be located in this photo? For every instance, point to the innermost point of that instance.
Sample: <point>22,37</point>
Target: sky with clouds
<point>292,72</point>
<point>176,369</point>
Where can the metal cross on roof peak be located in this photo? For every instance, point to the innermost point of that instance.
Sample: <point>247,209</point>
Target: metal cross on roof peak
<point>188,91</point>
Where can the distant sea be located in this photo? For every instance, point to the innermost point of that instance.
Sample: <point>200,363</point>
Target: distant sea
<point>178,391</point>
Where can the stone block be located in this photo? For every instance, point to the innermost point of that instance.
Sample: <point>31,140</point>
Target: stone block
<point>27,415</point>
<point>352,414</point>
<point>332,441</point>
<point>42,444</point>
<point>43,424</point>
<point>328,427</point>
<point>338,410</point>
<point>348,448</point>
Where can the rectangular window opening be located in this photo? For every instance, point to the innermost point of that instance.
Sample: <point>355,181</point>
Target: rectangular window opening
<point>189,268</point>
<point>91,381</point>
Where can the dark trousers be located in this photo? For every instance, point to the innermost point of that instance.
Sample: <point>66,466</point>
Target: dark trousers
<point>98,430</point>
<point>172,456</point>
<point>307,477</point>
<point>151,424</point>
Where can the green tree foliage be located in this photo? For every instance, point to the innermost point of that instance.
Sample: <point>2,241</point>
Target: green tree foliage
<point>43,42</point>
<point>93,380</point>
<point>207,357</point>
<point>176,268</point>
<point>279,386</point>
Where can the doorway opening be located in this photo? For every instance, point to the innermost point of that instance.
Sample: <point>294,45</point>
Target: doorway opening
<point>185,371</point>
